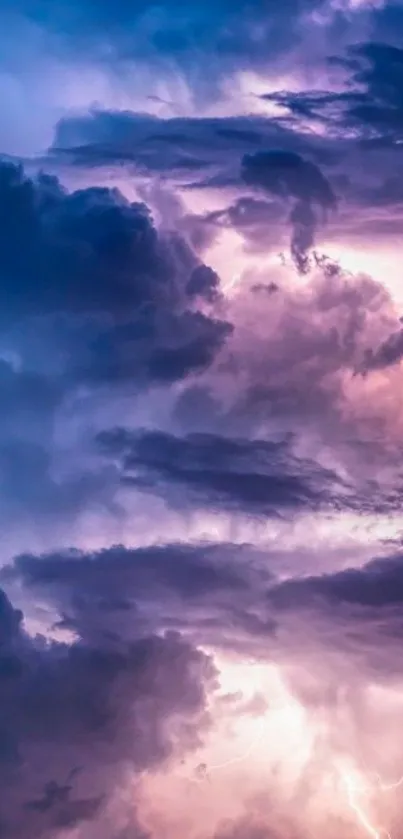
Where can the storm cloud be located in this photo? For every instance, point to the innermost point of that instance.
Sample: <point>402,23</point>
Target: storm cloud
<point>62,757</point>
<point>255,475</point>
<point>201,418</point>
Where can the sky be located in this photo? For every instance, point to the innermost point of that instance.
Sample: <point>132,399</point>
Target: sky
<point>201,419</point>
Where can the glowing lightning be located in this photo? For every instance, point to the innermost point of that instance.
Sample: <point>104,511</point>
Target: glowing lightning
<point>387,787</point>
<point>352,788</point>
<point>238,758</point>
<point>362,817</point>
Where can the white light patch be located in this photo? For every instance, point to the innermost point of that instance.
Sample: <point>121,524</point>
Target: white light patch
<point>259,724</point>
<point>382,264</point>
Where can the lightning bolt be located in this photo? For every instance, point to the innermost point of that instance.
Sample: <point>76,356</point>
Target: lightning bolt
<point>353,790</point>
<point>238,758</point>
<point>386,787</point>
<point>362,817</point>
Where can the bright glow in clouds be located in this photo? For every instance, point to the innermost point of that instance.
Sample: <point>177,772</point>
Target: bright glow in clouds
<point>263,747</point>
<point>364,798</point>
<point>377,260</point>
<point>278,727</point>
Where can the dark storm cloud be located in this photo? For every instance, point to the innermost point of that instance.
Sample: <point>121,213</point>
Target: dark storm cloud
<point>118,591</point>
<point>75,716</point>
<point>347,158</point>
<point>251,476</point>
<point>339,625</point>
<point>379,584</point>
<point>64,811</point>
<point>89,251</point>
<point>254,476</point>
<point>203,283</point>
<point>154,145</point>
<point>225,595</point>
<point>287,175</point>
<point>124,288</point>
<point>100,303</point>
<point>378,69</point>
<point>92,296</point>
<point>190,570</point>
<point>213,149</point>
<point>372,106</point>
<point>361,125</point>
<point>337,175</point>
<point>330,110</point>
<point>154,348</point>
<point>356,613</point>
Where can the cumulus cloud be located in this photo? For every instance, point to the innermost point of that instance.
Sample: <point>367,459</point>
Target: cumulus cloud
<point>88,251</point>
<point>93,296</point>
<point>78,716</point>
<point>296,351</point>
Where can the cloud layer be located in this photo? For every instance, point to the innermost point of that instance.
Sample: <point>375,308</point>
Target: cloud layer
<point>201,419</point>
